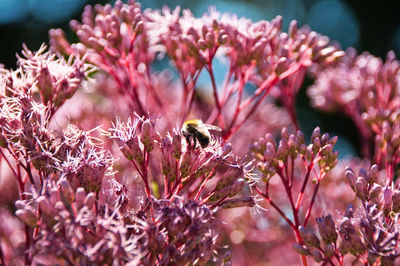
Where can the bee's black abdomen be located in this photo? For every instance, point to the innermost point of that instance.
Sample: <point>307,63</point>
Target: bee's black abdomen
<point>203,140</point>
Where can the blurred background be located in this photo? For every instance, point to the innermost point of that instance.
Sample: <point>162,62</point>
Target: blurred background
<point>372,26</point>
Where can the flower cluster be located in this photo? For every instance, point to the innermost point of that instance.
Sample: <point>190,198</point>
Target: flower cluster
<point>185,169</point>
<point>185,232</point>
<point>370,234</point>
<point>74,209</point>
<point>123,41</point>
<point>294,163</point>
<point>148,191</point>
<point>70,228</point>
<point>24,119</point>
<point>368,93</point>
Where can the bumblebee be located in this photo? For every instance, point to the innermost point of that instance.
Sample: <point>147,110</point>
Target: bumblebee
<point>198,131</point>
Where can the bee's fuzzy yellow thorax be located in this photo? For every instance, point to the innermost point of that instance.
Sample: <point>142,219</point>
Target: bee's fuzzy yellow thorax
<point>192,122</point>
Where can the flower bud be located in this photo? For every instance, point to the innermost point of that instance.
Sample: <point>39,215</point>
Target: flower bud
<point>292,144</point>
<point>210,39</point>
<point>202,44</point>
<point>357,245</point>
<point>361,188</point>
<point>387,196</point>
<point>126,151</point>
<point>28,216</point>
<point>316,134</point>
<point>282,66</point>
<point>373,174</point>
<point>327,229</point>
<point>270,138</point>
<point>54,196</point>
<point>396,201</point>
<point>345,247</point>
<point>166,166</point>
<point>277,22</point>
<point>186,164</point>
<point>363,174</point>
<point>317,255</point>
<point>333,140</point>
<point>227,191</point>
<point>176,145</point>
<point>228,179</point>
<point>147,137</point>
<point>139,27</point>
<point>309,237</point>
<point>326,150</point>
<point>293,29</point>
<point>283,150</point>
<point>302,250</point>
<point>205,169</point>
<point>20,204</point>
<point>324,139</point>
<point>226,149</point>
<point>300,138</point>
<point>380,141</point>
<point>351,177</point>
<point>316,145</point>
<point>45,206</point>
<point>44,84</point>
<point>309,152</point>
<point>269,153</point>
<point>80,196</point>
<point>375,193</point>
<point>239,202</point>
<point>303,149</point>
<point>90,200</point>
<point>136,151</point>
<point>67,192</point>
<point>349,211</point>
<point>329,250</point>
<point>223,39</point>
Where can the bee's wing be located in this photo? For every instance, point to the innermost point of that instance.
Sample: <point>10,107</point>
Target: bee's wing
<point>203,131</point>
<point>212,127</point>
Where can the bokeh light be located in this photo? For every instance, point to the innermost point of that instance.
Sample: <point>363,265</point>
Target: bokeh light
<point>11,11</point>
<point>336,20</point>
<point>51,11</point>
<point>45,11</point>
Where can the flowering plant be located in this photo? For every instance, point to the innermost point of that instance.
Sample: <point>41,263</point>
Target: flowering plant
<point>107,171</point>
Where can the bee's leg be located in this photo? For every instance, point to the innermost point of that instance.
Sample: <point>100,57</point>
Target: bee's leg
<point>188,140</point>
<point>194,142</point>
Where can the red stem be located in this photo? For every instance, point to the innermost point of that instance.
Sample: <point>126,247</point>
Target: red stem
<point>303,187</point>
<point>203,184</point>
<point>17,175</point>
<point>215,93</point>
<point>308,215</point>
<point>240,124</point>
<point>289,193</point>
<point>143,175</point>
<point>166,186</point>
<point>240,88</point>
<point>187,104</point>
<point>265,195</point>
<point>265,87</point>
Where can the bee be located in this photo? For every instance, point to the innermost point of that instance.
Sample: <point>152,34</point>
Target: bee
<point>198,131</point>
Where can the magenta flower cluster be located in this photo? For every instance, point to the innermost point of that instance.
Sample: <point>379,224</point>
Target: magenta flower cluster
<point>99,167</point>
